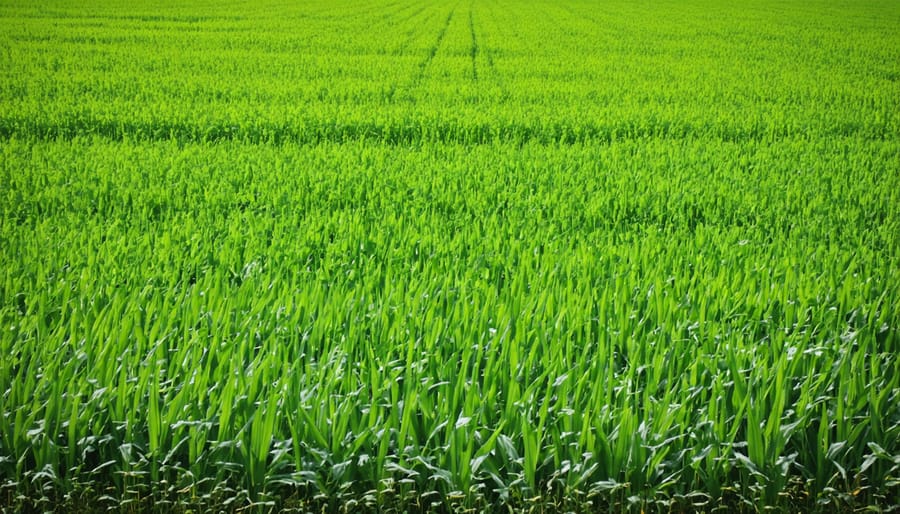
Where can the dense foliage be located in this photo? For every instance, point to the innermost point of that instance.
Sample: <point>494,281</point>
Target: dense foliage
<point>450,255</point>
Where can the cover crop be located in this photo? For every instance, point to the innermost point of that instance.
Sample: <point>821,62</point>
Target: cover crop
<point>548,256</point>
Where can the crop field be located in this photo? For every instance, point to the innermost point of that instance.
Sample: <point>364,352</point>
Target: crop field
<point>450,256</point>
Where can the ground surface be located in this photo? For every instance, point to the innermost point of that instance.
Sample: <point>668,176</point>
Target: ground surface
<point>450,255</point>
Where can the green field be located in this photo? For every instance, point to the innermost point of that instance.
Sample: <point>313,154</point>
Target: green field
<point>458,256</point>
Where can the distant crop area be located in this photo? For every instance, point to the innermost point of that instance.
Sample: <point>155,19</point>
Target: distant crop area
<point>450,256</point>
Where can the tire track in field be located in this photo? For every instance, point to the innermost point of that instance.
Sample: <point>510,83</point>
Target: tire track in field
<point>492,68</point>
<point>401,16</point>
<point>412,33</point>
<point>575,14</point>
<point>434,49</point>
<point>414,14</point>
<point>474,50</point>
<point>390,95</point>
<point>406,91</point>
